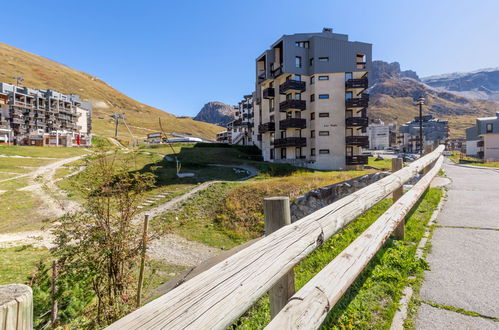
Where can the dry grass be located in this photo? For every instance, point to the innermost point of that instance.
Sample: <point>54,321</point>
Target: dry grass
<point>40,72</point>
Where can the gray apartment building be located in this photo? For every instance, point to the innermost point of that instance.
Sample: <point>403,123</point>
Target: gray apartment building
<point>43,117</point>
<point>435,131</point>
<point>310,104</point>
<point>482,139</point>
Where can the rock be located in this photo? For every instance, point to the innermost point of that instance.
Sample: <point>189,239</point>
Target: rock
<point>217,113</point>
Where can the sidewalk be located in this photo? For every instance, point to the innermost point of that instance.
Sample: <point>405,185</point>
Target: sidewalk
<point>464,258</point>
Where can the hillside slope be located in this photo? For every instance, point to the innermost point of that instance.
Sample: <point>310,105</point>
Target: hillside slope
<point>40,72</point>
<point>392,99</point>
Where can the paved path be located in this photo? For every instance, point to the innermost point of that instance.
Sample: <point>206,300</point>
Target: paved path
<point>464,258</point>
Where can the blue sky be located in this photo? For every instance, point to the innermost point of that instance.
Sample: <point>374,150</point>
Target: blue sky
<point>178,55</point>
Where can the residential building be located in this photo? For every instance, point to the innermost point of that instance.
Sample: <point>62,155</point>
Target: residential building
<point>240,130</point>
<point>310,100</point>
<point>482,140</point>
<point>44,117</point>
<point>379,135</point>
<point>435,132</point>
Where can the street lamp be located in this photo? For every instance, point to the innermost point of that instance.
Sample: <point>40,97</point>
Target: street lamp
<point>420,102</point>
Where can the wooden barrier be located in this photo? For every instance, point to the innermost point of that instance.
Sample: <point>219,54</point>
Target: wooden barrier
<point>218,296</point>
<point>16,307</point>
<point>310,306</point>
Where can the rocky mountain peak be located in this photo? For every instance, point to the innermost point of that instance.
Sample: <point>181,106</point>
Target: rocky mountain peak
<point>216,112</point>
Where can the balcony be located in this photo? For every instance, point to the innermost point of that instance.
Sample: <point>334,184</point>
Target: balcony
<point>277,72</point>
<point>290,142</point>
<point>267,127</point>
<point>480,143</point>
<point>360,102</point>
<point>261,76</point>
<point>357,121</point>
<point>357,83</point>
<point>357,160</point>
<point>292,105</point>
<point>268,93</point>
<point>18,121</point>
<point>361,65</point>
<point>292,85</point>
<point>259,137</point>
<point>357,141</point>
<point>292,123</point>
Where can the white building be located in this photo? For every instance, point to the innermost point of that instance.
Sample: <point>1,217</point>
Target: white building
<point>379,135</point>
<point>482,140</point>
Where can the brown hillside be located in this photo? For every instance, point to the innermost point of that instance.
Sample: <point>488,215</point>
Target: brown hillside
<point>40,72</point>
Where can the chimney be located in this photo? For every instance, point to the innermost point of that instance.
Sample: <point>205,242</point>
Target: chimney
<point>328,30</point>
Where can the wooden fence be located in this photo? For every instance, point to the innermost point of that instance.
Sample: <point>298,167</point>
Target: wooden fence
<point>218,296</point>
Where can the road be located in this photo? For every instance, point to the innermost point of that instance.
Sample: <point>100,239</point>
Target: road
<point>464,260</point>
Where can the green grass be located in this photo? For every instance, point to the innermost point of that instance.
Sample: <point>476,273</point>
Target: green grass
<point>20,211</point>
<point>372,299</point>
<point>385,164</point>
<point>53,152</point>
<point>17,263</point>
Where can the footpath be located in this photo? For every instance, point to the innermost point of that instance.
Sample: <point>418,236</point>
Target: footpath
<point>461,289</point>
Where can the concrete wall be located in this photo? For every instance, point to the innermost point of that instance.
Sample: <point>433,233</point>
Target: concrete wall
<point>491,147</point>
<point>471,148</point>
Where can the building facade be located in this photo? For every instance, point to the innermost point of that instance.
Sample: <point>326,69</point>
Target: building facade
<point>240,130</point>
<point>435,131</point>
<point>482,140</point>
<point>379,135</point>
<point>310,102</point>
<point>43,117</point>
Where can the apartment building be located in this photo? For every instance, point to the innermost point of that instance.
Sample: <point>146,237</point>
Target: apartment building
<point>435,132</point>
<point>310,101</point>
<point>482,139</point>
<point>240,130</point>
<point>379,135</point>
<point>43,117</point>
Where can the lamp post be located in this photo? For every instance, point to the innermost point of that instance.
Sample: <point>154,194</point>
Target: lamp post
<point>420,103</point>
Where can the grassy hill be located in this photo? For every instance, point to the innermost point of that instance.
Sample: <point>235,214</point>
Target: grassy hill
<point>40,72</point>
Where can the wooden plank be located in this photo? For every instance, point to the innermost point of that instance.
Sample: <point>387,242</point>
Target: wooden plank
<point>277,214</point>
<point>399,231</point>
<point>308,308</point>
<point>16,307</point>
<point>217,297</point>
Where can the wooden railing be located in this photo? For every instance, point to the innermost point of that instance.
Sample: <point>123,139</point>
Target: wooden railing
<point>218,296</point>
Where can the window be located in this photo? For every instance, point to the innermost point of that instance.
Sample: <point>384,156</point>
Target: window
<point>298,61</point>
<point>312,80</point>
<point>312,97</point>
<point>297,77</point>
<point>312,134</point>
<point>271,105</point>
<point>323,77</point>
<point>311,61</point>
<point>323,133</point>
<point>348,76</point>
<point>323,96</point>
<point>312,152</point>
<point>348,95</point>
<point>297,96</point>
<point>489,128</point>
<point>323,114</point>
<point>271,153</point>
<point>323,151</point>
<point>283,134</point>
<point>272,119</point>
<point>323,59</point>
<point>312,115</point>
<point>283,153</point>
<point>302,44</point>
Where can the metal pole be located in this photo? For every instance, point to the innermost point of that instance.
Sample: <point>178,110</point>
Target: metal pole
<point>421,127</point>
<point>116,125</point>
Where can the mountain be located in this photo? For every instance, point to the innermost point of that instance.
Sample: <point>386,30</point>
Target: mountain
<point>480,84</point>
<point>217,113</point>
<point>393,92</point>
<point>40,72</point>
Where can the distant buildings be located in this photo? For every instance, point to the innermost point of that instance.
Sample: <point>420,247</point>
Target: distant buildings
<point>435,131</point>
<point>240,130</point>
<point>43,117</point>
<point>379,135</point>
<point>310,102</point>
<point>482,139</point>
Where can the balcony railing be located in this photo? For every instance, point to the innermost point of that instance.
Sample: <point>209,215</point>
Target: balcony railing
<point>290,142</point>
<point>358,141</point>
<point>360,102</point>
<point>357,121</point>
<point>361,65</point>
<point>268,93</point>
<point>357,83</point>
<point>292,85</point>
<point>267,127</point>
<point>261,76</point>
<point>277,72</point>
<point>292,123</point>
<point>357,160</point>
<point>292,104</point>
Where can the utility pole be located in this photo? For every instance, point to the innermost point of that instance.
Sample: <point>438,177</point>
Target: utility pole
<point>420,103</point>
<point>117,116</point>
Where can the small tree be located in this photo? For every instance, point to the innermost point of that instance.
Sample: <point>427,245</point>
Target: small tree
<point>99,245</point>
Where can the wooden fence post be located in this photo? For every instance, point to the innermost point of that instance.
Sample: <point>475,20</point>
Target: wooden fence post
<point>277,214</point>
<point>53,292</point>
<point>398,233</point>
<point>427,150</point>
<point>142,260</point>
<point>16,307</point>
